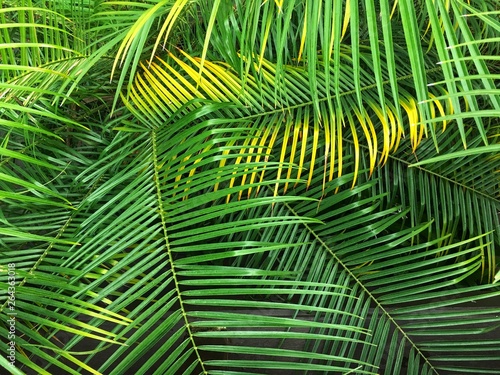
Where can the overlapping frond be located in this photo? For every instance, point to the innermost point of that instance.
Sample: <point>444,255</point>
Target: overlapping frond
<point>45,305</point>
<point>42,45</point>
<point>143,236</point>
<point>312,35</point>
<point>166,87</point>
<point>459,195</point>
<point>363,237</point>
<point>426,281</point>
<point>226,275</point>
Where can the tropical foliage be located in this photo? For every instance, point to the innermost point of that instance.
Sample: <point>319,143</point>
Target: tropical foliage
<point>249,187</point>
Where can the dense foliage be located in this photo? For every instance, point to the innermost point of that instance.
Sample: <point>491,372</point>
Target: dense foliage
<point>249,186</point>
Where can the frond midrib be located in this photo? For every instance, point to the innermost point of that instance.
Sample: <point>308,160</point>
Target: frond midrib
<point>495,200</point>
<point>326,99</point>
<point>161,213</point>
<point>363,287</point>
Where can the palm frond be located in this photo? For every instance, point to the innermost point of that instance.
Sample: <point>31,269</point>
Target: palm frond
<point>375,265</point>
<point>262,187</point>
<point>163,89</point>
<point>460,195</point>
<point>143,247</point>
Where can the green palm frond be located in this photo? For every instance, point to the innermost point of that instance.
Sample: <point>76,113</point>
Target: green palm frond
<point>249,187</point>
<point>164,88</point>
<point>316,32</point>
<point>145,246</point>
<point>42,43</point>
<point>374,266</point>
<point>460,194</point>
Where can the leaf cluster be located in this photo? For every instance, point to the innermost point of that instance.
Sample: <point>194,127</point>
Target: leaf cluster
<point>250,187</point>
